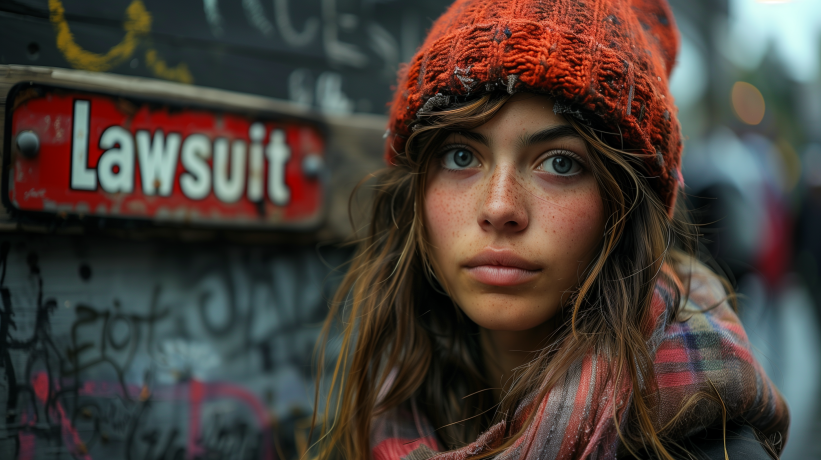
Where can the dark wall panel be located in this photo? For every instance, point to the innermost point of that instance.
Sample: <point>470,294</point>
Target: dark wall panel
<point>337,55</point>
<point>128,350</point>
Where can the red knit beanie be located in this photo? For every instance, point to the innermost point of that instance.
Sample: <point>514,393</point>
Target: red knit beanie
<point>606,60</point>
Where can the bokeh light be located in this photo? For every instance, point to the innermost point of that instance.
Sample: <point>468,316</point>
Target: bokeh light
<point>748,103</point>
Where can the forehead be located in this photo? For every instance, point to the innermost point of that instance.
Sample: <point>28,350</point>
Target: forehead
<point>524,112</point>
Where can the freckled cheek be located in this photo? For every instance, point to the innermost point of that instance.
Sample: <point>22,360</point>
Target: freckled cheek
<point>575,221</point>
<point>447,213</point>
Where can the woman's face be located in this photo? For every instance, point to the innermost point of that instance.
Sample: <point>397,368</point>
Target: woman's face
<point>513,214</point>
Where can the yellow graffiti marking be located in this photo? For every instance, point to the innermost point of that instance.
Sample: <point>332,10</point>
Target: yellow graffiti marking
<point>137,25</point>
<point>161,69</point>
<point>137,22</point>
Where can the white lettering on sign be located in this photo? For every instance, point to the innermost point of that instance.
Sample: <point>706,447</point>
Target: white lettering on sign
<point>115,169</point>
<point>82,178</point>
<point>228,167</point>
<point>256,165</point>
<point>278,154</point>
<point>158,161</point>
<point>196,181</point>
<point>228,185</point>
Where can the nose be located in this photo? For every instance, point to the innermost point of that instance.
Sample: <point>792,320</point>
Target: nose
<point>504,208</point>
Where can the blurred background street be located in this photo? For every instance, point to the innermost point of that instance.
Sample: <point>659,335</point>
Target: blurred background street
<point>749,93</point>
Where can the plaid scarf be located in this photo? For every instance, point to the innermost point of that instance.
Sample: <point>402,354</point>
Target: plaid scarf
<point>705,350</point>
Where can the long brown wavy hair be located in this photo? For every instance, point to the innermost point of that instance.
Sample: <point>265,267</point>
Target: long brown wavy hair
<point>393,317</point>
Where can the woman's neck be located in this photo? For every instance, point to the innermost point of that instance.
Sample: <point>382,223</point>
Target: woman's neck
<point>504,351</point>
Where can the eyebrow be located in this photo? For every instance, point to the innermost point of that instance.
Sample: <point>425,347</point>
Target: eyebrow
<point>545,135</point>
<point>549,134</point>
<point>480,138</point>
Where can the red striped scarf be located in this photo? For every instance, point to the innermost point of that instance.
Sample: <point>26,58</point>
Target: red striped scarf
<point>704,350</point>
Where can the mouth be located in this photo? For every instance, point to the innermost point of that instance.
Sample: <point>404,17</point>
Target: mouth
<point>501,268</point>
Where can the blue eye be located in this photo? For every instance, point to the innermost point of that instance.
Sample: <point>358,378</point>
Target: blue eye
<point>561,165</point>
<point>459,158</point>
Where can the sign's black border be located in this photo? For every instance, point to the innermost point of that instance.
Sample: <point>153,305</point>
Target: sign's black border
<point>53,220</point>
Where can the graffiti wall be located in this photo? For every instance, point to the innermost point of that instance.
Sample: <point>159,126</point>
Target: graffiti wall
<point>339,56</point>
<point>114,349</point>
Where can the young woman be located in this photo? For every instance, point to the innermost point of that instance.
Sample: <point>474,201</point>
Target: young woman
<point>527,288</point>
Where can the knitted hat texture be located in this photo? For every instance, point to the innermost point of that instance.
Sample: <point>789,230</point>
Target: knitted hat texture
<point>609,60</point>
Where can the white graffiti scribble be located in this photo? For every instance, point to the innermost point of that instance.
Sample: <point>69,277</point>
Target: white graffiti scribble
<point>34,194</point>
<point>287,29</point>
<point>338,52</point>
<point>213,16</point>
<point>256,17</point>
<point>329,94</point>
<point>385,46</point>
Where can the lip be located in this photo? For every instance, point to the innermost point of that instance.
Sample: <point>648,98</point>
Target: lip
<point>501,268</point>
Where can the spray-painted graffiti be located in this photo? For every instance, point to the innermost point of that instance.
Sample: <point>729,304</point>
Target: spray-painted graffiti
<point>337,56</point>
<point>136,28</point>
<point>157,350</point>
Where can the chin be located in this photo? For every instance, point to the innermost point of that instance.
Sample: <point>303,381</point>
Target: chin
<point>502,313</point>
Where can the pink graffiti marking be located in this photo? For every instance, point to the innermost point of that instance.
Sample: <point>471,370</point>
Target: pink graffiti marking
<point>41,385</point>
<point>26,442</point>
<point>198,393</point>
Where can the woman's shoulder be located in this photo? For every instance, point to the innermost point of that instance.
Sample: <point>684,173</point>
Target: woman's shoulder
<point>740,441</point>
<point>705,316</point>
<point>705,350</point>
<point>399,431</point>
<point>702,288</point>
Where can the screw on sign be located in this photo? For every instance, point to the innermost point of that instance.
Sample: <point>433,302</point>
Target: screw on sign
<point>28,144</point>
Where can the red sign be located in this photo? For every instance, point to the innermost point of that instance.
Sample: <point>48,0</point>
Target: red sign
<point>85,154</point>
